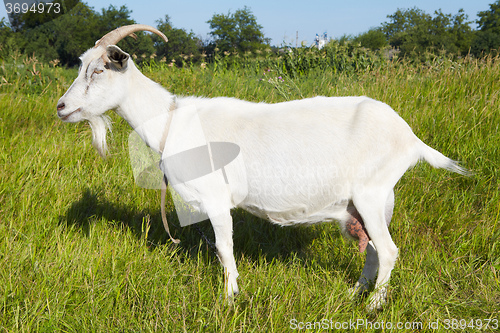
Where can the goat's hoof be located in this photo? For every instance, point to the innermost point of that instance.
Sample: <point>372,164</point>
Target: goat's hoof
<point>228,299</point>
<point>353,293</point>
<point>377,301</point>
<point>358,290</point>
<point>374,306</point>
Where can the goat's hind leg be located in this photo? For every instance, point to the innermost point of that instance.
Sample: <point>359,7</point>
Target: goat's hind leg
<point>369,273</point>
<point>382,251</point>
<point>370,269</point>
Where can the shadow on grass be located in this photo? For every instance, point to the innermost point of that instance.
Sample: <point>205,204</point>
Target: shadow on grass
<point>253,237</point>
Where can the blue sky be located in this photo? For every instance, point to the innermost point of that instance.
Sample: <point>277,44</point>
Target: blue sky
<point>282,19</point>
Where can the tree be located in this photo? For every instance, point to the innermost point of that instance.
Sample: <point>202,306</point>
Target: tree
<point>181,47</point>
<point>463,32</point>
<point>489,20</point>
<point>414,32</point>
<point>488,36</point>
<point>71,34</point>
<point>374,39</point>
<point>36,16</point>
<point>66,37</point>
<point>238,31</point>
<point>7,39</point>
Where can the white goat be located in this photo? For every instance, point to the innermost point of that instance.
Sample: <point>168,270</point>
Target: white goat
<point>306,161</point>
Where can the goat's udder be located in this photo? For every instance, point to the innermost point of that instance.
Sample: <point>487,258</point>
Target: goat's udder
<point>356,229</point>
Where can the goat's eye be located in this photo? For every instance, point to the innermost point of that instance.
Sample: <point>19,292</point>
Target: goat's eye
<point>96,71</point>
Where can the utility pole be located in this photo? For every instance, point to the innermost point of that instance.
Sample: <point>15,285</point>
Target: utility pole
<point>297,40</point>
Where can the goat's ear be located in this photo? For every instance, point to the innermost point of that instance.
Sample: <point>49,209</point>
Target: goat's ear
<point>117,57</point>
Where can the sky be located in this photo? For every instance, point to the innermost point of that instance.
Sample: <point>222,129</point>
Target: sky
<point>282,19</point>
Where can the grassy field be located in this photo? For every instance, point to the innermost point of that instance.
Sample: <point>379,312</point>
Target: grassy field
<point>82,248</point>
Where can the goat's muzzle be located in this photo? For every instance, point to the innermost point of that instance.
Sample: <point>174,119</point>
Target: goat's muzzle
<point>60,108</point>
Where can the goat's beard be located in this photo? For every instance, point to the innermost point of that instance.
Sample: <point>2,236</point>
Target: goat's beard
<point>100,126</point>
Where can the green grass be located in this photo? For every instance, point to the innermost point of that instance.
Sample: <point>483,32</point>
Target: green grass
<point>82,248</point>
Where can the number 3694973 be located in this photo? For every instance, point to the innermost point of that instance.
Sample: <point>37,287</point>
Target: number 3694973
<point>24,7</point>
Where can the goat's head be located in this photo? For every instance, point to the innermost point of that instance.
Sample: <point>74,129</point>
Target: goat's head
<point>100,85</point>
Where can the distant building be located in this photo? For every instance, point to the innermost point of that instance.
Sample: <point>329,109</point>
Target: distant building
<point>320,42</point>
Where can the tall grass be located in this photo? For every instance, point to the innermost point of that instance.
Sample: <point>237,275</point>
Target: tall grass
<point>336,57</point>
<point>83,249</point>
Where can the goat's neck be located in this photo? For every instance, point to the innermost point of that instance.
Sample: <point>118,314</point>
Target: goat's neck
<point>145,108</point>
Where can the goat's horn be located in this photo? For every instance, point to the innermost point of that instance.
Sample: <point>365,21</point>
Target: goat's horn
<point>113,37</point>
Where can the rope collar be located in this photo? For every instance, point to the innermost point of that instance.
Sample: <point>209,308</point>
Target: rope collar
<point>173,106</point>
<point>171,109</point>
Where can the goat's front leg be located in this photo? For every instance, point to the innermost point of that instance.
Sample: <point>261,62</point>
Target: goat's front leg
<point>223,229</point>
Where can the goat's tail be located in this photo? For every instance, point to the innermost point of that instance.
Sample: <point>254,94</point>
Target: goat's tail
<point>438,160</point>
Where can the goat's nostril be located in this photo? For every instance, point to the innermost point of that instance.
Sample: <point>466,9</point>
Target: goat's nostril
<point>60,106</point>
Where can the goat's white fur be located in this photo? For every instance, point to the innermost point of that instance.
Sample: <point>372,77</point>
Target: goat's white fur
<point>307,161</point>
